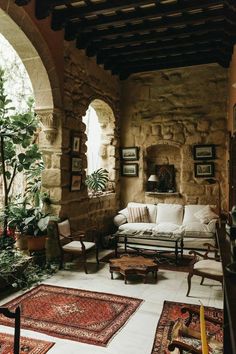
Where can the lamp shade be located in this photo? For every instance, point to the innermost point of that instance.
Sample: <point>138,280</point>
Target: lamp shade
<point>153,178</point>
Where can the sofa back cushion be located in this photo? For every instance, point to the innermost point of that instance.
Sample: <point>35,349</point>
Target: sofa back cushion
<point>138,214</point>
<point>152,210</point>
<point>170,213</point>
<point>192,213</point>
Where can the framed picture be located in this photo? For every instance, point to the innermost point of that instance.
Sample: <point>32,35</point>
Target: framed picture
<point>130,170</point>
<point>129,153</point>
<point>75,182</point>
<point>75,143</point>
<point>204,169</point>
<point>165,178</point>
<point>76,164</point>
<point>204,152</point>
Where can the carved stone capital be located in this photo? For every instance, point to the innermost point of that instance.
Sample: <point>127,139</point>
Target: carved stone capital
<point>50,119</point>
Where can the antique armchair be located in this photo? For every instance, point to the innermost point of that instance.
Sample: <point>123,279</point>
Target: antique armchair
<point>74,243</point>
<point>187,339</point>
<point>16,315</point>
<point>208,267</point>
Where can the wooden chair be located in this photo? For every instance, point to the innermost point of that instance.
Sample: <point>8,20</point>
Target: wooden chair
<point>73,242</point>
<point>208,267</point>
<point>16,316</point>
<point>188,340</point>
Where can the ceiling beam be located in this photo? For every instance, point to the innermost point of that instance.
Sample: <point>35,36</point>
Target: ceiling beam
<point>60,17</point>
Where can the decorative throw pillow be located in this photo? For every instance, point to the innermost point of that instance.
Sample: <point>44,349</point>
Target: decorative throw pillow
<point>138,214</point>
<point>205,215</point>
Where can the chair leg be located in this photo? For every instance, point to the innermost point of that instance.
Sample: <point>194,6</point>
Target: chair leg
<point>202,280</point>
<point>85,262</point>
<point>189,283</point>
<point>61,261</point>
<point>97,259</point>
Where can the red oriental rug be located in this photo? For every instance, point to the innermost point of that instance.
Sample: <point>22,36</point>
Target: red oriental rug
<point>79,315</point>
<point>171,312</point>
<point>27,345</point>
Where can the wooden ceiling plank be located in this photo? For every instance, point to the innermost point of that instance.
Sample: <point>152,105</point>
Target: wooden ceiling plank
<point>202,49</point>
<point>60,17</point>
<point>194,60</point>
<point>160,25</point>
<point>170,45</point>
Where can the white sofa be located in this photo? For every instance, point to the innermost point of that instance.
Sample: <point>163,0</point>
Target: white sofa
<point>196,222</point>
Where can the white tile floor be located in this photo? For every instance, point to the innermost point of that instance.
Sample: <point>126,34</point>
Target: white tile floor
<point>137,335</point>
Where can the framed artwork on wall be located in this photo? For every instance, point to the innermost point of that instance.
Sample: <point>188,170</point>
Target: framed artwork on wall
<point>204,152</point>
<point>76,164</point>
<point>75,143</point>
<point>130,170</point>
<point>76,180</point>
<point>129,153</point>
<point>204,169</point>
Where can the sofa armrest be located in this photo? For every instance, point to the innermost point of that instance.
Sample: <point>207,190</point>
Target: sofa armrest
<point>119,219</point>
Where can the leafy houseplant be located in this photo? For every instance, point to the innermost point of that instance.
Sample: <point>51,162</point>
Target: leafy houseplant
<point>97,181</point>
<point>18,151</point>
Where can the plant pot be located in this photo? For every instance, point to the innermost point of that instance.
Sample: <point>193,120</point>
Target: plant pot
<point>36,243</point>
<point>21,241</point>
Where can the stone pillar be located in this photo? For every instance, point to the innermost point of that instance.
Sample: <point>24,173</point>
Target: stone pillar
<point>50,143</point>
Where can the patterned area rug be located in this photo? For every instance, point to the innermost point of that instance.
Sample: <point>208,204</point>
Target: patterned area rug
<point>165,260</point>
<point>74,314</point>
<point>27,345</point>
<point>171,313</point>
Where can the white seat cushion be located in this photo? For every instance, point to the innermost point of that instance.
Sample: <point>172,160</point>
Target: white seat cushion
<point>209,266</point>
<point>189,211</point>
<point>76,246</point>
<point>197,229</point>
<point>169,213</point>
<point>167,227</point>
<point>137,226</point>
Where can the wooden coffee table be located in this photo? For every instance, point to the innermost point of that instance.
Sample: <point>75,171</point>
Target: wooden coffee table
<point>128,264</point>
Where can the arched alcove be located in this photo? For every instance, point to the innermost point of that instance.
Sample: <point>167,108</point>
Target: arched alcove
<point>165,154</point>
<point>24,36</point>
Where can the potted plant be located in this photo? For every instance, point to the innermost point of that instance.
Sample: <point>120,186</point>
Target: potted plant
<point>97,181</point>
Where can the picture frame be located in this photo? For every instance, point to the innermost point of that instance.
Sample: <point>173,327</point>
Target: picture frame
<point>129,170</point>
<point>129,154</point>
<point>204,152</point>
<point>76,180</point>
<point>75,143</point>
<point>76,164</point>
<point>204,169</point>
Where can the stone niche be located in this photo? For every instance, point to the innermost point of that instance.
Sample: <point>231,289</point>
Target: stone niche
<point>164,160</point>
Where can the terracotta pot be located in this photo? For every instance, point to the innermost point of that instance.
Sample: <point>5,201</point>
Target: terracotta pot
<point>36,243</point>
<point>21,241</point>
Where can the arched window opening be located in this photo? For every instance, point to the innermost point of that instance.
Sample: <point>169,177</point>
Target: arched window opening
<point>100,130</point>
<point>93,132</point>
<point>18,86</point>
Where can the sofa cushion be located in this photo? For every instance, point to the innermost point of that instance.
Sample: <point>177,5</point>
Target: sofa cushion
<point>169,213</point>
<point>189,211</point>
<point>168,227</point>
<point>197,229</point>
<point>139,227</point>
<point>205,215</point>
<point>152,209</point>
<point>138,214</point>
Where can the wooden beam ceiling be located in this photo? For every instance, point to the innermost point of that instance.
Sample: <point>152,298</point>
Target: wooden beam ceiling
<point>132,36</point>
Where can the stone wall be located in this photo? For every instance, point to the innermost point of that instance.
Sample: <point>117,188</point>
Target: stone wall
<point>165,114</point>
<point>84,83</point>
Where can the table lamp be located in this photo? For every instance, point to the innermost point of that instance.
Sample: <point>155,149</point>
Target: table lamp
<point>152,180</point>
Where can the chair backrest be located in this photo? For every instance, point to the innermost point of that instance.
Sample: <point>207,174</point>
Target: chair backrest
<point>16,316</point>
<point>64,228</point>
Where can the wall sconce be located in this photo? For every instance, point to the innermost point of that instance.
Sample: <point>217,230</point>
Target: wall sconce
<point>152,180</point>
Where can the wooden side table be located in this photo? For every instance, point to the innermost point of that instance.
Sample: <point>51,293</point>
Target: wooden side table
<point>128,264</point>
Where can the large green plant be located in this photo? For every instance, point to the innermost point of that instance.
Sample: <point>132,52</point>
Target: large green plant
<point>18,150</point>
<point>97,181</point>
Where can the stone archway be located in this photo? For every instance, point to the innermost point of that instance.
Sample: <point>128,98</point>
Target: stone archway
<point>17,27</point>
